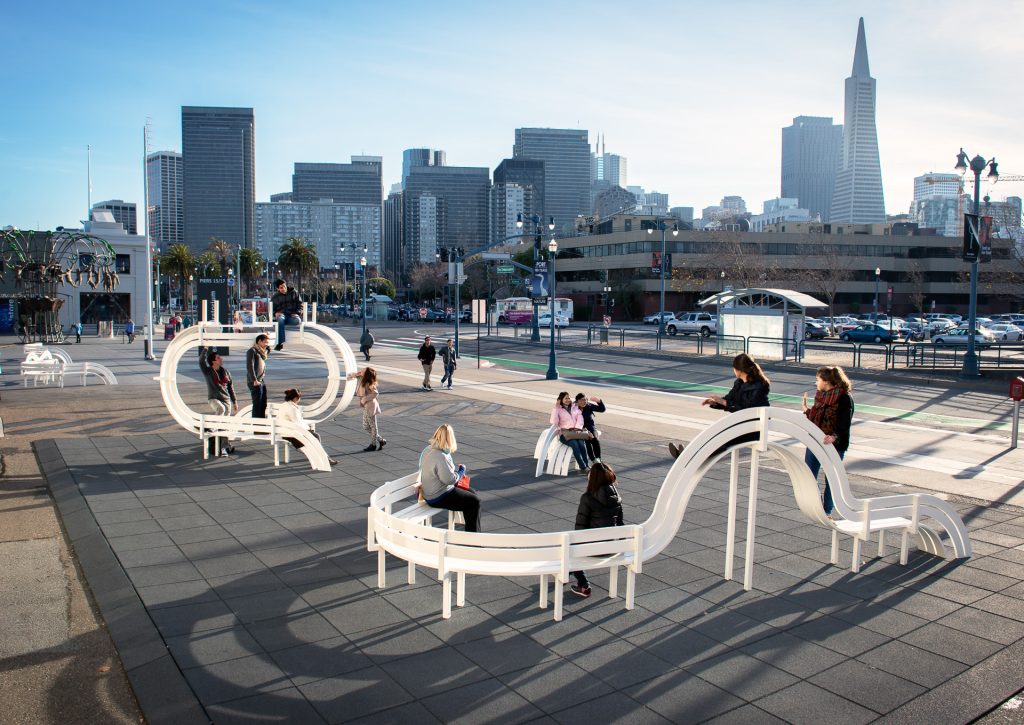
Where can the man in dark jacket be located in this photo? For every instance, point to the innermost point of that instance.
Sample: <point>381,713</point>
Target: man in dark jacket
<point>449,358</point>
<point>220,395</point>
<point>426,357</point>
<point>255,373</point>
<point>365,343</point>
<point>286,305</point>
<point>589,406</point>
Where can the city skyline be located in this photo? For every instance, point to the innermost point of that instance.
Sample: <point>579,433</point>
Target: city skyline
<point>710,130</point>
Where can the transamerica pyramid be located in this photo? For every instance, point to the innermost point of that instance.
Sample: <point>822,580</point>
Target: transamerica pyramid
<point>858,197</point>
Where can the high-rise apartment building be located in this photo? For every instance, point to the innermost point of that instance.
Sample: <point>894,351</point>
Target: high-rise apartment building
<point>164,180</point>
<point>518,189</point>
<point>444,206</point>
<point>392,257</point>
<point>508,205</point>
<point>124,213</point>
<point>810,159</point>
<point>421,157</point>
<point>607,167</point>
<point>734,204</point>
<point>934,184</point>
<point>338,232</point>
<point>858,197</point>
<point>937,203</point>
<point>218,162</point>
<point>359,182</point>
<point>566,156</point>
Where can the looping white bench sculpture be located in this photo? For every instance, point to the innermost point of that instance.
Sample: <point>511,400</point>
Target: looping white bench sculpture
<point>555,554</point>
<point>553,456</point>
<point>54,365</point>
<point>326,342</point>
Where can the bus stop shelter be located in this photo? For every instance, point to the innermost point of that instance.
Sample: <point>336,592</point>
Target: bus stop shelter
<point>769,321</point>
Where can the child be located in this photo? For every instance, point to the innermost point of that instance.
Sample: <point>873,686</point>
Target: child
<point>291,414</point>
<point>369,401</point>
<point>601,505</point>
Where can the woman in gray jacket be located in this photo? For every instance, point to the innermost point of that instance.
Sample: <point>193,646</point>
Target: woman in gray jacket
<point>438,476</point>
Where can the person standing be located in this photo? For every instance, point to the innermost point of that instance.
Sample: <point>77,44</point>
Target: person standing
<point>78,331</point>
<point>129,330</point>
<point>589,406</point>
<point>220,395</point>
<point>291,414</point>
<point>426,357</point>
<point>600,505</point>
<point>286,305</point>
<point>255,375</point>
<point>369,401</point>
<point>439,478</point>
<point>569,420</point>
<point>365,343</point>
<point>832,411</point>
<point>448,357</point>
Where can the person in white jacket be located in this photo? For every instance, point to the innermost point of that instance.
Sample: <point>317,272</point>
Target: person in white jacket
<point>291,414</point>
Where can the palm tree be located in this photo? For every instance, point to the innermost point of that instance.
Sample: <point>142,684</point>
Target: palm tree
<point>178,261</point>
<point>297,257</point>
<point>208,263</point>
<point>223,252</point>
<point>250,265</point>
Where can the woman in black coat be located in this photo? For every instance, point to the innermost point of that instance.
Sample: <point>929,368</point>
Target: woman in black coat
<point>600,506</point>
<point>749,391</point>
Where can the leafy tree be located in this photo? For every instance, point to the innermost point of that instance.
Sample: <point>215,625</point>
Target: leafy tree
<point>250,266</point>
<point>223,253</point>
<point>208,263</point>
<point>297,257</point>
<point>380,286</point>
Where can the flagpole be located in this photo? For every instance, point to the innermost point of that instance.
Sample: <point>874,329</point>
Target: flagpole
<point>148,346</point>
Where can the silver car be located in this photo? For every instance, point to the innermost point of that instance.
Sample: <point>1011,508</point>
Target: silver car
<point>1006,332</point>
<point>960,336</point>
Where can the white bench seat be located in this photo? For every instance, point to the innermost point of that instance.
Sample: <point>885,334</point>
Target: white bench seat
<point>553,456</point>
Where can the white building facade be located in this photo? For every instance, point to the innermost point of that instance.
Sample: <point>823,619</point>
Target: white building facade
<point>338,232</point>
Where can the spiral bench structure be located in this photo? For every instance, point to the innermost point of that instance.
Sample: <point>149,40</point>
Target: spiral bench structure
<point>556,554</point>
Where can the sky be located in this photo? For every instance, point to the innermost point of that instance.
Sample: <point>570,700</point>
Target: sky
<point>693,94</point>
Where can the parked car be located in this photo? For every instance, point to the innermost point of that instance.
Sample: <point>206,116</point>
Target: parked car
<point>1005,332</point>
<point>870,332</point>
<point>839,323</point>
<point>545,320</point>
<point>436,314</point>
<point>960,336</point>
<point>704,324</point>
<point>466,315</point>
<point>653,319</point>
<point>814,331</point>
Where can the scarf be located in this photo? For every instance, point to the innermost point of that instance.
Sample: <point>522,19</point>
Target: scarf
<point>220,376</point>
<point>823,412</point>
<point>261,352</point>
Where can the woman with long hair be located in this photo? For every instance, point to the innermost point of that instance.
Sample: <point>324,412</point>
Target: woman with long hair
<point>569,420</point>
<point>439,478</point>
<point>369,401</point>
<point>750,390</point>
<point>291,414</point>
<point>600,505</point>
<point>832,411</point>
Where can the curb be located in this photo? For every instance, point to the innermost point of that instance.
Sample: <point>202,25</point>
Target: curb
<point>159,687</point>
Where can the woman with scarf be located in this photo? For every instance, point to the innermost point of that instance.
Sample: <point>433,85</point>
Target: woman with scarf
<point>832,411</point>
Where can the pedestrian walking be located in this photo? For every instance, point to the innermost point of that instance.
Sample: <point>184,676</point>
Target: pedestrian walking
<point>589,406</point>
<point>291,414</point>
<point>448,357</point>
<point>220,395</point>
<point>78,331</point>
<point>255,374</point>
<point>369,401</point>
<point>750,390</point>
<point>832,412</point>
<point>569,420</point>
<point>440,480</point>
<point>286,305</point>
<point>600,505</point>
<point>365,343</point>
<point>129,330</point>
<point>426,357</point>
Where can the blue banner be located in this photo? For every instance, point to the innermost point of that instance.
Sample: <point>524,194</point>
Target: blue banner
<point>541,288</point>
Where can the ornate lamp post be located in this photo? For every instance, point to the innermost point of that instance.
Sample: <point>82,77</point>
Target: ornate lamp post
<point>878,274</point>
<point>362,265</point>
<point>552,373</point>
<point>661,310</point>
<point>535,334</point>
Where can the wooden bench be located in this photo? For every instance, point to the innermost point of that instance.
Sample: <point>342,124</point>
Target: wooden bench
<point>546,556</point>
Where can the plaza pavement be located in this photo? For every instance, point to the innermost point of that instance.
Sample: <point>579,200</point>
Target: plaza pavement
<point>235,591</point>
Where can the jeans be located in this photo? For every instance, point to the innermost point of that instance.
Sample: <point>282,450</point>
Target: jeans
<point>259,401</point>
<point>581,579</point>
<point>461,499</point>
<point>296,443</point>
<point>283,320</point>
<point>815,465</point>
<point>448,371</point>
<point>218,443</point>
<point>579,451</point>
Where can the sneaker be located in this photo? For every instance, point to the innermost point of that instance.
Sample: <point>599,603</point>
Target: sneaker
<point>381,443</point>
<point>426,388</point>
<point>224,453</point>
<point>674,450</point>
<point>332,461</point>
<point>279,346</point>
<point>371,447</point>
<point>580,591</point>
<point>230,449</point>
<point>449,387</point>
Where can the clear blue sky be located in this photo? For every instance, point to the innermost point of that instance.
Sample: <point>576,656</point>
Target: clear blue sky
<point>693,95</point>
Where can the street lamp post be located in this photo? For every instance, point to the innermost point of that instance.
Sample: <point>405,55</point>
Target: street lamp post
<point>878,274</point>
<point>661,310</point>
<point>718,316</point>
<point>970,367</point>
<point>362,265</point>
<point>535,333</point>
<point>552,361</point>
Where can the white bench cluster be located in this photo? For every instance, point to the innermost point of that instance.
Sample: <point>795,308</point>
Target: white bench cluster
<point>47,365</point>
<point>326,342</point>
<point>409,535</point>
<point>553,456</point>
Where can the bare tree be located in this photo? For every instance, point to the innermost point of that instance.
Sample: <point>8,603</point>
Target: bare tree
<point>745,265</point>
<point>427,279</point>
<point>916,282</point>
<point>829,277</point>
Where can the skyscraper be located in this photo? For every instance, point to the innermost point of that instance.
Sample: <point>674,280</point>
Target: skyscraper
<point>338,232</point>
<point>444,206</point>
<point>359,182</point>
<point>421,157</point>
<point>164,178</point>
<point>566,156</point>
<point>858,197</point>
<point>810,159</point>
<point>607,167</point>
<point>518,189</point>
<point>218,155</point>
<point>124,213</point>
<point>392,259</point>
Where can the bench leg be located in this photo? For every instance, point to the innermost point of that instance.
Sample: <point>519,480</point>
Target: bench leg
<point>381,575</point>
<point>446,596</point>
<point>630,586</point>
<point>460,590</point>
<point>277,456</point>
<point>881,543</point>
<point>904,547</point>
<point>835,546</point>
<point>855,562</point>
<point>559,591</point>
<point>543,604</point>
<point>613,582</point>
<point>412,573</point>
<point>287,452</point>
<point>748,564</point>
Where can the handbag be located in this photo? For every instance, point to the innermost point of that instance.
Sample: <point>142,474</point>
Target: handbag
<point>463,482</point>
<point>576,434</point>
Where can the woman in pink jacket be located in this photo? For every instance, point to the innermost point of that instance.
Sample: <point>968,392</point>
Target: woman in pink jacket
<point>568,417</point>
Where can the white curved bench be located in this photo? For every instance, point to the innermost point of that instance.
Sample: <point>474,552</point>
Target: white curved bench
<point>53,365</point>
<point>555,554</point>
<point>553,456</point>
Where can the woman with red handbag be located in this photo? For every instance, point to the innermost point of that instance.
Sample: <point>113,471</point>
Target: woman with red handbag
<point>569,420</point>
<point>440,479</point>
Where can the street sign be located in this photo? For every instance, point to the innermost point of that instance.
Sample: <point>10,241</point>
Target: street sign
<point>479,311</point>
<point>607,321</point>
<point>496,255</point>
<point>423,312</point>
<point>505,269</point>
<point>448,310</point>
<point>231,281</point>
<point>462,279</point>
